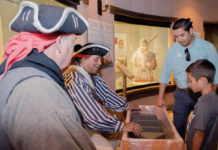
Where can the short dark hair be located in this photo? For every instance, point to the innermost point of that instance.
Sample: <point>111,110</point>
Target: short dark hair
<point>183,23</point>
<point>202,68</point>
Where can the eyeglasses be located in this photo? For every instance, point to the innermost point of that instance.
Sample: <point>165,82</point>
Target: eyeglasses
<point>188,57</point>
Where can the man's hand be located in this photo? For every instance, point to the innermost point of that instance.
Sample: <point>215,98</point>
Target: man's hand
<point>132,127</point>
<point>161,102</point>
<point>134,107</point>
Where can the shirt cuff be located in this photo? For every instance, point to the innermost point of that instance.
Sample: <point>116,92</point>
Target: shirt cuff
<point>164,81</point>
<point>119,126</point>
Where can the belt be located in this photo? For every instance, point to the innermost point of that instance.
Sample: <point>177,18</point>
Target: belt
<point>186,89</point>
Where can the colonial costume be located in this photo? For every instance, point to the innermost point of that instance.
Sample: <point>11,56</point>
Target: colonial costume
<point>92,96</point>
<point>36,111</point>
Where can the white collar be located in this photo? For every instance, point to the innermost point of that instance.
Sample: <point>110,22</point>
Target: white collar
<point>82,71</point>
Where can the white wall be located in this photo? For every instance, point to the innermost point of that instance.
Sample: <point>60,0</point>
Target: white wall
<point>154,7</point>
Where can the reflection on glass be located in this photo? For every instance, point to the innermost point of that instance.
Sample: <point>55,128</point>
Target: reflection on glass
<point>141,49</point>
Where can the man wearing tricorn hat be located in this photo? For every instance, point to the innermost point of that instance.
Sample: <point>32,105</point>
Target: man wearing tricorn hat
<point>36,110</point>
<point>92,96</point>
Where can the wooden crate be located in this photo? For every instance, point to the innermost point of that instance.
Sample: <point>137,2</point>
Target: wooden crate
<point>173,141</point>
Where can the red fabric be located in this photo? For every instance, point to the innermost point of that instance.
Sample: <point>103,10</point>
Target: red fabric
<point>20,45</point>
<point>82,55</point>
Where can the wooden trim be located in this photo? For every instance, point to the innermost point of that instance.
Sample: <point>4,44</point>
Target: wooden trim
<point>119,11</point>
<point>145,92</point>
<point>86,2</point>
<point>210,31</point>
<point>210,22</point>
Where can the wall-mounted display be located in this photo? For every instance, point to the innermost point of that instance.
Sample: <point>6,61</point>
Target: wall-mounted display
<point>141,49</point>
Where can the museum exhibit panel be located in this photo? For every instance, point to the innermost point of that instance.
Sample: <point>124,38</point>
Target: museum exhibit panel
<point>140,45</point>
<point>141,49</point>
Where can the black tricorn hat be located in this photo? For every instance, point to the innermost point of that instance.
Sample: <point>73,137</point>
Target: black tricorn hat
<point>91,49</point>
<point>48,19</point>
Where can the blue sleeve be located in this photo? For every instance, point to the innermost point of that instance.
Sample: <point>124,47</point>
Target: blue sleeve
<point>167,67</point>
<point>111,99</point>
<point>94,115</point>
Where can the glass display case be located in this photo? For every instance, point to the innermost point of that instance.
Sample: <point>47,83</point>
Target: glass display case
<point>141,49</point>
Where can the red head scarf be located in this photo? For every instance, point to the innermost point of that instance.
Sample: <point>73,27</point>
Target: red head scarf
<point>20,45</point>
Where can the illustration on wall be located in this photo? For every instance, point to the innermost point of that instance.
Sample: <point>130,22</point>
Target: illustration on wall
<point>120,42</point>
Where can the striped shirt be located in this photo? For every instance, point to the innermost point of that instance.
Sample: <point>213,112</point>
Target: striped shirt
<point>93,114</point>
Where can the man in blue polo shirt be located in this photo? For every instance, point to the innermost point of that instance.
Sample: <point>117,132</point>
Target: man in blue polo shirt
<point>187,49</point>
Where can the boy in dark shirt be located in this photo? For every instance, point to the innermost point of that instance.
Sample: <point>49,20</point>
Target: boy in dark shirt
<point>203,125</point>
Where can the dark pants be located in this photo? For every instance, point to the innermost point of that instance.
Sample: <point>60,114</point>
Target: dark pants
<point>184,104</point>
